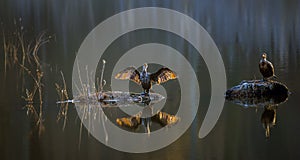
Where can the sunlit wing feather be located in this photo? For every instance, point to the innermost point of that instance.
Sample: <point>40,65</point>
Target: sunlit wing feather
<point>163,75</point>
<point>129,73</point>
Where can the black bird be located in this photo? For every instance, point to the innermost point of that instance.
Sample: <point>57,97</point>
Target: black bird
<point>266,67</point>
<point>145,78</point>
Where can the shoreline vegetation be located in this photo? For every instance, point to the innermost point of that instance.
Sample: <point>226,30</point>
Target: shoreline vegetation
<point>21,57</point>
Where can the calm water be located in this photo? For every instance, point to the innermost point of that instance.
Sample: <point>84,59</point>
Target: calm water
<point>241,30</point>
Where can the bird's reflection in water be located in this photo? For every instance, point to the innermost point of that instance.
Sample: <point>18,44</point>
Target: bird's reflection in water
<point>97,109</point>
<point>143,118</point>
<point>268,103</point>
<point>268,118</point>
<point>133,122</point>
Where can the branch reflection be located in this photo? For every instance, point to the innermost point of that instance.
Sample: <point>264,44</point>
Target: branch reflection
<point>106,106</point>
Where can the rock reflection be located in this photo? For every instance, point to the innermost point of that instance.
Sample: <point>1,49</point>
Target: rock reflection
<point>256,94</point>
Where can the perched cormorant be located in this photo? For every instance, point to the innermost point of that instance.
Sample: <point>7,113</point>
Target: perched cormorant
<point>266,67</point>
<point>145,78</point>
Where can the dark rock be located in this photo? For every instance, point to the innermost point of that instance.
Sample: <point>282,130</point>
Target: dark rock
<point>257,93</point>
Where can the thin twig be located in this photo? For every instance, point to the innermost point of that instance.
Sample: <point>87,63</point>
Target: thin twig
<point>78,70</point>
<point>102,73</point>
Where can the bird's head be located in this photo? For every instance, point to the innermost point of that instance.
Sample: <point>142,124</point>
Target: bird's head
<point>145,67</point>
<point>264,56</point>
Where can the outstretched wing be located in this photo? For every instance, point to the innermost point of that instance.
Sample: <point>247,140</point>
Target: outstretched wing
<point>129,73</point>
<point>163,75</point>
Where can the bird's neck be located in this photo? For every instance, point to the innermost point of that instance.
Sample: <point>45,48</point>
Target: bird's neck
<point>144,72</point>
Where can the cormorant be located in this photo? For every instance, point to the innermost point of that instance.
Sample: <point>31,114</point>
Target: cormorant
<point>145,78</point>
<point>266,67</point>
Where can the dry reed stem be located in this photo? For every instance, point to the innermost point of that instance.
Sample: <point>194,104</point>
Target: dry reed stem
<point>18,53</point>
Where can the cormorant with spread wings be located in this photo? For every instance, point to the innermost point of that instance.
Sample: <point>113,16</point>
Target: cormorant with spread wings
<point>145,78</point>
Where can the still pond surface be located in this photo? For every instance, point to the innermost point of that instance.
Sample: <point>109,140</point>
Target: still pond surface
<point>241,30</point>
